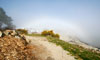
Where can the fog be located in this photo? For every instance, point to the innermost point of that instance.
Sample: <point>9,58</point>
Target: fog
<point>65,28</point>
<point>80,18</point>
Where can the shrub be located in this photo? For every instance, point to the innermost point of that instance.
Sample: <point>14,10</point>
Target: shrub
<point>50,33</point>
<point>22,31</point>
<point>45,33</point>
<point>57,35</point>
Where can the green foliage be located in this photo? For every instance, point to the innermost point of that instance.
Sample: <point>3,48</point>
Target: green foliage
<point>57,35</point>
<point>22,31</point>
<point>77,51</point>
<point>45,33</point>
<point>50,33</point>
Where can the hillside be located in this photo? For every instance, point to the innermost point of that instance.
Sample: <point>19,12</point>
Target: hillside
<point>79,52</point>
<point>16,46</point>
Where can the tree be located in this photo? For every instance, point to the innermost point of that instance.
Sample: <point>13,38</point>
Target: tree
<point>5,20</point>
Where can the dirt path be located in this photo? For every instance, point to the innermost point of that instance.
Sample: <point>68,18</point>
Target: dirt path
<point>45,50</point>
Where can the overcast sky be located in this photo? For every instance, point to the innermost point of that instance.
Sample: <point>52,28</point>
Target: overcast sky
<point>81,17</point>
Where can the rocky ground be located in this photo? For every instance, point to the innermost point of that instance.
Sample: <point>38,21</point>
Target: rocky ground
<point>14,47</point>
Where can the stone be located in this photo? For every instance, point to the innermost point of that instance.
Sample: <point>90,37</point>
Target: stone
<point>17,37</point>
<point>28,41</point>
<point>0,34</point>
<point>7,32</point>
<point>13,33</point>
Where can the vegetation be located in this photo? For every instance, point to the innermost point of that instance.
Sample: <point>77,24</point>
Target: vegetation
<point>5,21</point>
<point>77,51</point>
<point>22,31</point>
<point>34,34</point>
<point>50,33</point>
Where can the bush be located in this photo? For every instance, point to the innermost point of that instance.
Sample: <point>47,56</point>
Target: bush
<point>57,35</point>
<point>50,33</point>
<point>45,33</point>
<point>22,31</point>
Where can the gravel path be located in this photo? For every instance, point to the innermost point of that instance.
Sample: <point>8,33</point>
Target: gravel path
<point>45,50</point>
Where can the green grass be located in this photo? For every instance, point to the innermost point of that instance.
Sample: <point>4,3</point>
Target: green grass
<point>80,53</point>
<point>75,50</point>
<point>35,35</point>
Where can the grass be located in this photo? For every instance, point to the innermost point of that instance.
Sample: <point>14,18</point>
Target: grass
<point>35,35</point>
<point>75,50</point>
<point>80,53</point>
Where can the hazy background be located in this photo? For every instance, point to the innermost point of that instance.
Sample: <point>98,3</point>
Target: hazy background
<point>67,17</point>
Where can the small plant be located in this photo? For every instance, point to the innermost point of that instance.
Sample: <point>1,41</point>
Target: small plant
<point>22,31</point>
<point>57,35</point>
<point>50,33</point>
<point>45,33</point>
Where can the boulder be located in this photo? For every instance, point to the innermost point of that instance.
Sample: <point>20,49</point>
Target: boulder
<point>7,32</point>
<point>28,41</point>
<point>0,34</point>
<point>13,33</point>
